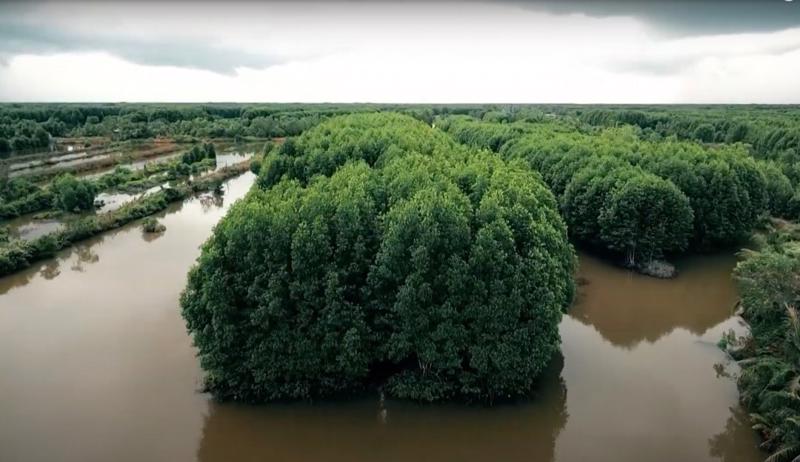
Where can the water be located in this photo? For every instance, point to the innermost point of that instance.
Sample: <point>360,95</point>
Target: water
<point>96,365</point>
<point>230,156</point>
<point>234,156</point>
<point>114,200</point>
<point>95,160</point>
<point>28,227</point>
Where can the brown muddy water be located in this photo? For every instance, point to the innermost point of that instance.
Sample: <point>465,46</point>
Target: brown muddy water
<point>96,365</point>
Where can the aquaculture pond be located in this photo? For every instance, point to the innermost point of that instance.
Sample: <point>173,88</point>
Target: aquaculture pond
<point>96,365</point>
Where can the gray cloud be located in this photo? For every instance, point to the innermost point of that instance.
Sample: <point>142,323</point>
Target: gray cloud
<point>673,58</point>
<point>196,54</point>
<point>26,28</point>
<point>686,17</point>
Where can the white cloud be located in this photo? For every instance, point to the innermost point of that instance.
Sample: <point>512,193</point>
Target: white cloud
<point>391,53</point>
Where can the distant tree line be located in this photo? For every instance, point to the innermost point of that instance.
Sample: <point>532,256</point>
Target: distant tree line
<point>771,133</point>
<point>30,126</point>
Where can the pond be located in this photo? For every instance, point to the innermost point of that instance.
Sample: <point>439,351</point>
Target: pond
<point>97,365</point>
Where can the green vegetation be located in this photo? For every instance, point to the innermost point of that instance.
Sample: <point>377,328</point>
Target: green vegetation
<point>31,126</point>
<point>196,160</point>
<point>73,195</point>
<point>376,251</point>
<point>18,254</point>
<point>770,134</point>
<point>20,134</point>
<point>19,196</point>
<point>624,194</point>
<point>151,225</point>
<point>199,153</point>
<point>769,282</point>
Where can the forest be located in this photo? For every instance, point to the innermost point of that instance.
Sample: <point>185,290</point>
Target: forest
<point>623,193</point>
<point>769,282</point>
<point>426,251</point>
<point>444,271</point>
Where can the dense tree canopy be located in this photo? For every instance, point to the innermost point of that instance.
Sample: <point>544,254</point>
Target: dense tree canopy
<point>377,250</point>
<point>769,281</point>
<point>725,188</point>
<point>31,126</point>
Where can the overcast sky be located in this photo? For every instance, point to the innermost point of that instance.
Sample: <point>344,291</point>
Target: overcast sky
<point>514,51</point>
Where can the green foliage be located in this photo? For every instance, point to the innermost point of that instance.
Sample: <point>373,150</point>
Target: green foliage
<point>71,194</point>
<point>645,217</point>
<point>373,138</point>
<point>376,249</point>
<point>119,176</point>
<point>18,254</point>
<point>151,225</point>
<point>199,153</point>
<point>255,165</point>
<point>769,281</point>
<point>779,191</point>
<point>726,189</point>
<point>19,196</point>
<point>16,188</point>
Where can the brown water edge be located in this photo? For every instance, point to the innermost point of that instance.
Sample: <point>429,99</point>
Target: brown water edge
<point>96,365</point>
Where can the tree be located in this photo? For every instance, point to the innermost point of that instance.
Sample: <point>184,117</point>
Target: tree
<point>779,190</point>
<point>704,132</point>
<point>769,281</point>
<point>645,217</point>
<point>71,194</point>
<point>410,262</point>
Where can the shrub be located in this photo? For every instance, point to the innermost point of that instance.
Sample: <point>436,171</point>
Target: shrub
<point>199,153</point>
<point>779,191</point>
<point>255,165</point>
<point>151,225</point>
<point>769,282</point>
<point>71,194</point>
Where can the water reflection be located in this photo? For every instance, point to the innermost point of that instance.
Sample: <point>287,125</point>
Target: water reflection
<point>84,255</point>
<point>735,442</point>
<point>29,227</point>
<point>96,365</point>
<point>627,308</point>
<point>211,201</point>
<point>354,432</point>
<point>50,269</point>
<point>76,258</point>
<point>150,237</point>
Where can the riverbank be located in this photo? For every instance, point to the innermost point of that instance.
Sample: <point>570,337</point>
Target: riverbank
<point>769,282</point>
<point>94,334</point>
<point>19,254</point>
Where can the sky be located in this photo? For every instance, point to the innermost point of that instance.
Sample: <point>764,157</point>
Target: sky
<point>581,51</point>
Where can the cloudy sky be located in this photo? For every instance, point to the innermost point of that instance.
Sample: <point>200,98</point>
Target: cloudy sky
<point>589,51</point>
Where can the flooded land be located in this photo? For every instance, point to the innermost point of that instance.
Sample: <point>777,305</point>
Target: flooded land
<point>31,226</point>
<point>97,365</point>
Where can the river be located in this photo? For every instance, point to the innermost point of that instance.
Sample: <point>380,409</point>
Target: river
<point>96,365</point>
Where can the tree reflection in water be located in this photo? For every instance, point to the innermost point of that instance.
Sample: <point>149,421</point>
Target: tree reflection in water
<point>628,308</point>
<point>212,201</point>
<point>84,255</point>
<point>737,442</point>
<point>353,431</point>
<point>50,269</point>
